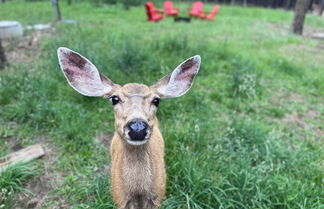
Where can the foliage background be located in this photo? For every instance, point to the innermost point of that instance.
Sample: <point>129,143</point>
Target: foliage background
<point>249,134</point>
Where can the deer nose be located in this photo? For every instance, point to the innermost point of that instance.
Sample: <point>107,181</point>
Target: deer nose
<point>137,130</point>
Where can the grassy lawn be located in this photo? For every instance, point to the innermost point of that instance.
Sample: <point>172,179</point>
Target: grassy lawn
<point>249,134</point>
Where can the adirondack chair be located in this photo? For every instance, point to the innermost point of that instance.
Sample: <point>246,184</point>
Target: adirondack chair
<point>211,16</point>
<point>153,14</point>
<point>169,9</point>
<point>195,10</point>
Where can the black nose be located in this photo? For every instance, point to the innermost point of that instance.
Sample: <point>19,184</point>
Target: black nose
<point>137,130</point>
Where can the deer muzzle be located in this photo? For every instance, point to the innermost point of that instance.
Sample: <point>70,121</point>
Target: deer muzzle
<point>137,132</point>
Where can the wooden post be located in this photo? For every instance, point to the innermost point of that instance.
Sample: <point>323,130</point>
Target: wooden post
<point>21,156</point>
<point>56,10</point>
<point>3,59</point>
<point>300,13</point>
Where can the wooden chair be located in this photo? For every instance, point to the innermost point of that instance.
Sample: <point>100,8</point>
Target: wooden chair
<point>169,9</point>
<point>211,16</point>
<point>195,10</point>
<point>153,15</point>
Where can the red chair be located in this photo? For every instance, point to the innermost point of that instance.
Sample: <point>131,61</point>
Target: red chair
<point>169,9</point>
<point>153,14</point>
<point>195,10</point>
<point>212,14</point>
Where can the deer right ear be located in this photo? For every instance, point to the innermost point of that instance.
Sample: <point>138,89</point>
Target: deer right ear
<point>82,75</point>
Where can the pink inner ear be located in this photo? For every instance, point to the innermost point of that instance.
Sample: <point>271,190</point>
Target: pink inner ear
<point>188,71</point>
<point>75,67</point>
<point>76,60</point>
<point>82,75</point>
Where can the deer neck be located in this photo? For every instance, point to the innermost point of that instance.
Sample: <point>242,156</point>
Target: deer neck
<point>138,166</point>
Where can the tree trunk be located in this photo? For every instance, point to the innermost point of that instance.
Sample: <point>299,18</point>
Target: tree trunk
<point>310,4</point>
<point>56,10</point>
<point>288,5</point>
<point>322,8</point>
<point>245,3</point>
<point>232,2</point>
<point>3,59</point>
<point>300,13</point>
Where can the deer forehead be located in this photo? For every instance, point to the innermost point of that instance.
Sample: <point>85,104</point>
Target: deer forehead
<point>136,89</point>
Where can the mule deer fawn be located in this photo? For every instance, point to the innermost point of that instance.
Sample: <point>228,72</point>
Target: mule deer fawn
<point>137,148</point>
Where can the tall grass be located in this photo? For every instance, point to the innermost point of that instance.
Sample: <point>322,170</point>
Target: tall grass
<point>227,143</point>
<point>11,182</point>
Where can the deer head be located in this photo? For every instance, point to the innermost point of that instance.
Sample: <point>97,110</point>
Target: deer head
<point>135,105</point>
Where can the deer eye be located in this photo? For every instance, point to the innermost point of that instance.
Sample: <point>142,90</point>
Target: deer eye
<point>114,100</point>
<point>156,101</point>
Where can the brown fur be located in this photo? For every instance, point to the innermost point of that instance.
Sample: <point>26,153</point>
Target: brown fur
<point>138,173</point>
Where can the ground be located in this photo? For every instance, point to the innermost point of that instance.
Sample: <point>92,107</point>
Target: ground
<point>249,134</point>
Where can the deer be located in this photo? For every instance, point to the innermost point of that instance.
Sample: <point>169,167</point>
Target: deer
<point>138,176</point>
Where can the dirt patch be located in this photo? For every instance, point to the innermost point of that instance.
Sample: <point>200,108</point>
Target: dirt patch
<point>26,48</point>
<point>320,46</point>
<point>305,54</point>
<point>309,120</point>
<point>301,120</point>
<point>104,139</point>
<point>39,187</point>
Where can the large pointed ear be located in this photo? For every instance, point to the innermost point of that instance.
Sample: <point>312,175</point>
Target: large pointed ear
<point>180,80</point>
<point>82,75</point>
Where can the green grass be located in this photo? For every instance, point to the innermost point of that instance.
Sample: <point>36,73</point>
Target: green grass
<point>11,181</point>
<point>249,134</point>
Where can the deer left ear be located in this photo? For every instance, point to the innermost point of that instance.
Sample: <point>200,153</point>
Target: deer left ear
<point>180,80</point>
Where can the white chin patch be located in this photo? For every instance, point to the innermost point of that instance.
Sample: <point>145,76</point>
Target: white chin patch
<point>136,143</point>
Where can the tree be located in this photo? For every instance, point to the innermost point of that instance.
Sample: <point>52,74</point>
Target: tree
<point>3,60</point>
<point>322,7</point>
<point>56,10</point>
<point>300,13</point>
<point>288,4</point>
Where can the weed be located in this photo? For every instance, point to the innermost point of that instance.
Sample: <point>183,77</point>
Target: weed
<point>245,80</point>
